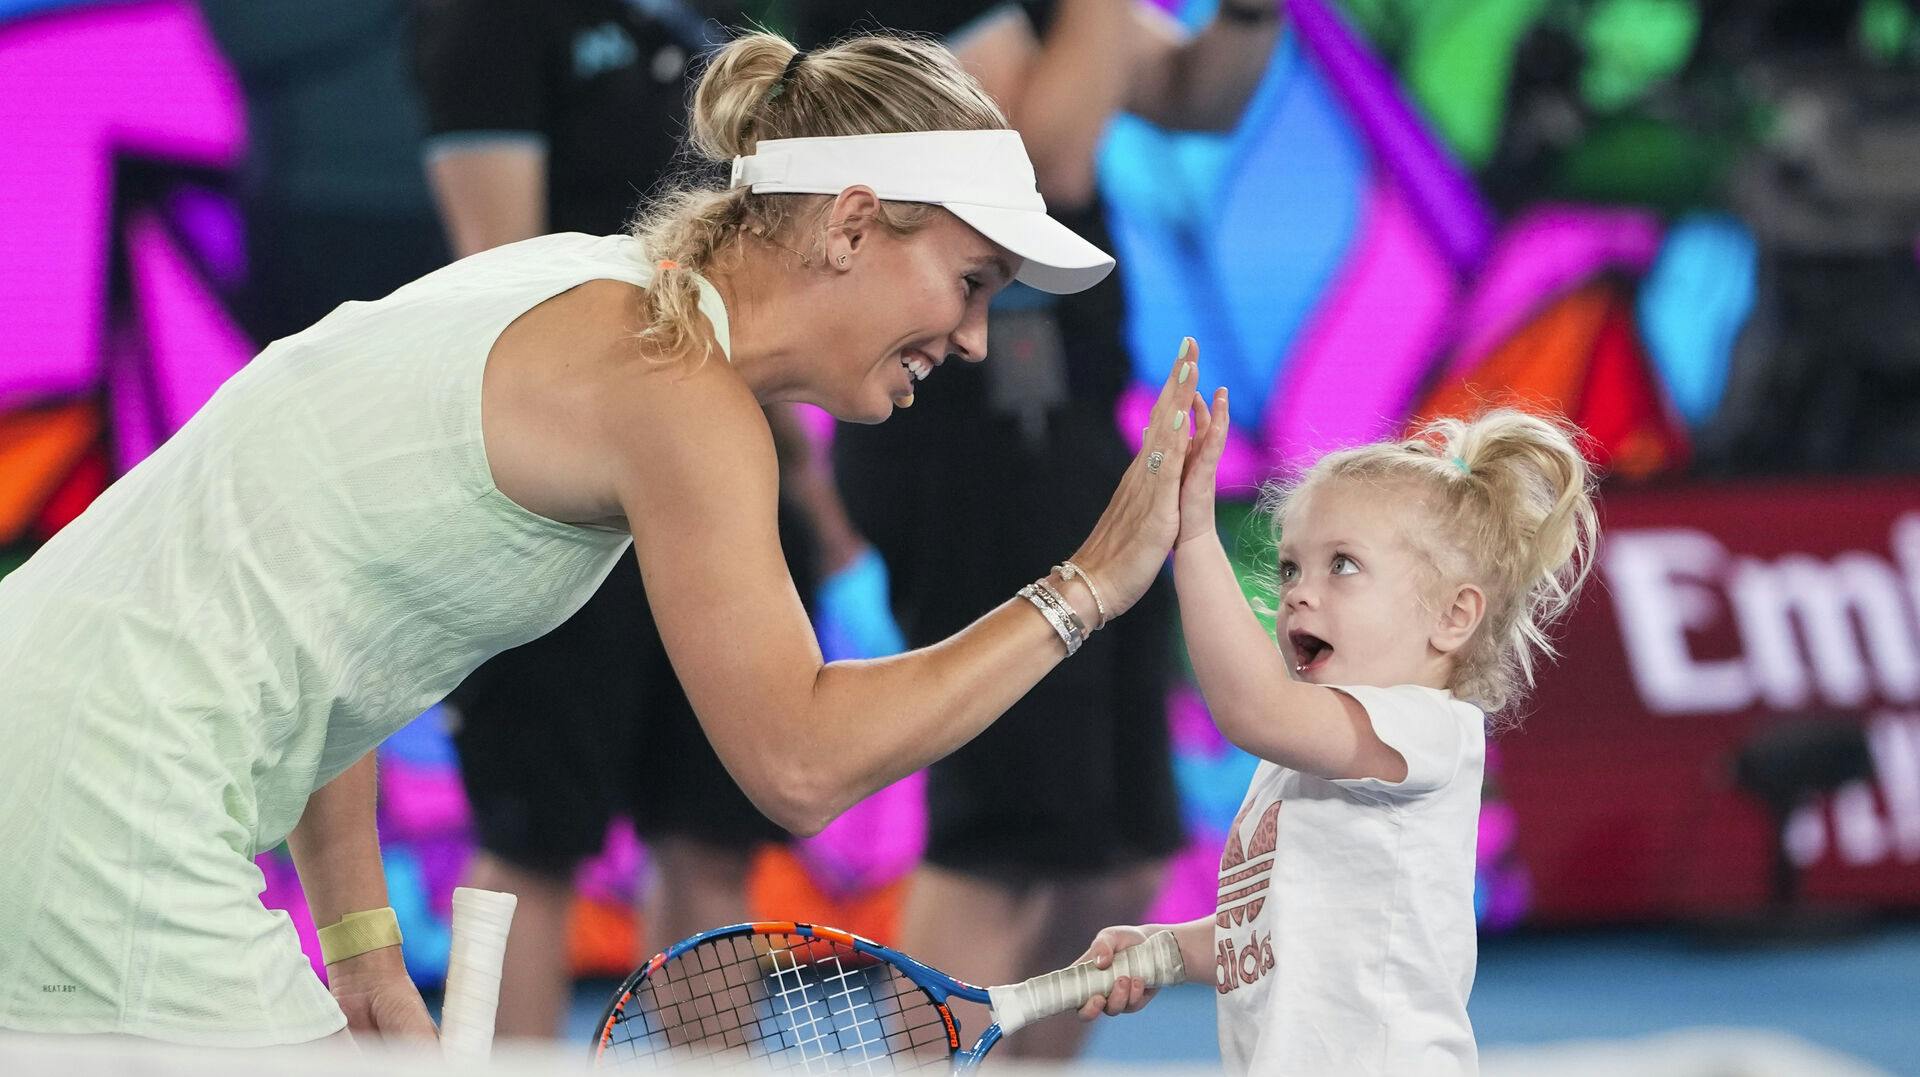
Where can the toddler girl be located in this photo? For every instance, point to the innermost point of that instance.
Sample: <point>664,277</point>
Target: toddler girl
<point>1415,584</point>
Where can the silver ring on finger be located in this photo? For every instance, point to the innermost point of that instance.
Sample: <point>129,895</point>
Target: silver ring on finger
<point>1154,460</point>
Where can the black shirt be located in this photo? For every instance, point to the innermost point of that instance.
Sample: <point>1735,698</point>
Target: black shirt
<point>602,83</point>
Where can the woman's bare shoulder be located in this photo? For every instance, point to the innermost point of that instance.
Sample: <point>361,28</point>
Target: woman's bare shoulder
<point>574,400</point>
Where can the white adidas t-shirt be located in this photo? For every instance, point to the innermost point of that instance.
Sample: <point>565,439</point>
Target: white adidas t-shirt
<point>1344,940</point>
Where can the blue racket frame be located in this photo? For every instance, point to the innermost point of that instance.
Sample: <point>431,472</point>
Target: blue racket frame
<point>935,983</point>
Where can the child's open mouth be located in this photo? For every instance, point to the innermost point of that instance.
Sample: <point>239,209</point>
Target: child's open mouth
<point>1310,652</point>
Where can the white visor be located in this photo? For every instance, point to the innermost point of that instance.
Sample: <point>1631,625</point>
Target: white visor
<point>982,177</point>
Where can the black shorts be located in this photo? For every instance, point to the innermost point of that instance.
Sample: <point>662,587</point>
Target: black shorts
<point>560,735</point>
<point>966,507</point>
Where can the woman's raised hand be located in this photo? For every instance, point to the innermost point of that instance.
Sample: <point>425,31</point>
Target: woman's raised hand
<point>1130,543</point>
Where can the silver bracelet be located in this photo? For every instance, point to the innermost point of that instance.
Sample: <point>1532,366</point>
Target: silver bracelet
<point>1069,571</point>
<point>1063,607</point>
<point>1062,627</point>
<point>1059,624</point>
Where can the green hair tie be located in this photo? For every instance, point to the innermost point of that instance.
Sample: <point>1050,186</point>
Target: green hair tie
<point>1461,464</point>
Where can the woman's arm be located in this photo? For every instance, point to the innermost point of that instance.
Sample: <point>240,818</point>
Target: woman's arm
<point>337,851</point>
<point>1060,89</point>
<point>1099,57</point>
<point>483,70</point>
<point>1199,82</point>
<point>490,193</point>
<point>808,479</point>
<point>805,739</point>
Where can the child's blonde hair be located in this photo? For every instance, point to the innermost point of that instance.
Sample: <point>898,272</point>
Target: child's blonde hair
<point>1509,498</point>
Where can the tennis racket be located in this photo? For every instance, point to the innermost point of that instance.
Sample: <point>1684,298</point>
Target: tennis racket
<point>760,997</point>
<point>480,922</point>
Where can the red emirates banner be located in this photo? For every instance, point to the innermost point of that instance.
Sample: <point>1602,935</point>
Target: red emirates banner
<point>1718,613</point>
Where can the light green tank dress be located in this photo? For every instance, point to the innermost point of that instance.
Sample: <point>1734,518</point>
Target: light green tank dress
<point>312,561</point>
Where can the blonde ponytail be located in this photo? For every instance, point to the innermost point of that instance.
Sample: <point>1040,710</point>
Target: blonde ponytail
<point>1525,514</point>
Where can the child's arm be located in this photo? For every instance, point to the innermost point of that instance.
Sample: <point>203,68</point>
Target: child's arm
<point>1255,701</point>
<point>1196,956</point>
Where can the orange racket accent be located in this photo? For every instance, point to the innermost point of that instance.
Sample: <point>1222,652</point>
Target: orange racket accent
<point>606,1031</point>
<point>775,927</point>
<point>809,951</point>
<point>953,1030</point>
<point>835,934</point>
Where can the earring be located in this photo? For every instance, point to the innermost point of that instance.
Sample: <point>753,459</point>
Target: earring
<point>843,261</point>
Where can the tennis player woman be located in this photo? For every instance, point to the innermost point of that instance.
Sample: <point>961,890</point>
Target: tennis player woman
<point>197,668</point>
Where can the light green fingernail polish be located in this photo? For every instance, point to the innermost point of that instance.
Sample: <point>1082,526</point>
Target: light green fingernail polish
<point>1186,371</point>
<point>1179,420</point>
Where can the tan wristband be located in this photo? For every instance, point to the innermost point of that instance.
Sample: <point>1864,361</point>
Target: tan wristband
<point>359,932</point>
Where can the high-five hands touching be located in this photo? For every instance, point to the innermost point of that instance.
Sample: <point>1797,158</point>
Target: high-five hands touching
<point>1130,543</point>
<point>1203,466</point>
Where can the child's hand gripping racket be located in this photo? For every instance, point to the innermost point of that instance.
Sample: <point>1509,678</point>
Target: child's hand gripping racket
<point>826,1000</point>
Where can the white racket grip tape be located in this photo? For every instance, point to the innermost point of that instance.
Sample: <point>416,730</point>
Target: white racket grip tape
<point>1156,961</point>
<point>480,922</point>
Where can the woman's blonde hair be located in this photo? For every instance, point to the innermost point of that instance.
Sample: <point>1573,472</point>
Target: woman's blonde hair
<point>1509,503</point>
<point>750,90</point>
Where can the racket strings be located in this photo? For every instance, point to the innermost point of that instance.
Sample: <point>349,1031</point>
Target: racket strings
<point>777,1003</point>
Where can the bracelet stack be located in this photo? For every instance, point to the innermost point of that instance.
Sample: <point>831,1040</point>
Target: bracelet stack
<point>1066,622</point>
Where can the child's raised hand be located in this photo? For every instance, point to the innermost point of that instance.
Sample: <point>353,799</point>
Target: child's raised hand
<point>1129,994</point>
<point>1203,466</point>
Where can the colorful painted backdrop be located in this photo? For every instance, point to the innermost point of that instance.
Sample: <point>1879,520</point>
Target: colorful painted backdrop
<point>1339,253</point>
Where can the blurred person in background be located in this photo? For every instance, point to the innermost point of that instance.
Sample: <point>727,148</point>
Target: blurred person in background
<point>557,116</point>
<point>1827,378</point>
<point>332,198</point>
<point>1058,822</point>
